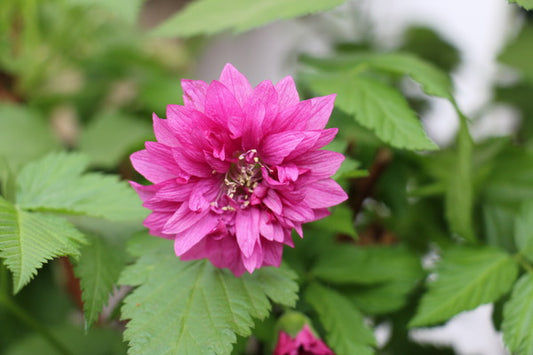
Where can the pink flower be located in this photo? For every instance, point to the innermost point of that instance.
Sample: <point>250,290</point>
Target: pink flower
<point>305,343</point>
<point>236,168</point>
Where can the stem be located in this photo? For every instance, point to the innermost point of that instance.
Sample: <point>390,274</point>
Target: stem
<point>26,318</point>
<point>523,262</point>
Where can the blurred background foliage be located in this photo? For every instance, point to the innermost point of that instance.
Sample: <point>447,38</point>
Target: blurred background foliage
<point>86,75</point>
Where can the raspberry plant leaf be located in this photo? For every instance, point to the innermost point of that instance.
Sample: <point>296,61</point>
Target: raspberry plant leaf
<point>208,306</point>
<point>465,278</point>
<point>344,324</point>
<point>517,317</point>
<point>28,240</point>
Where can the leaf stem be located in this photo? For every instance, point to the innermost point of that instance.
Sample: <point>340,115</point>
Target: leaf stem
<point>523,262</point>
<point>22,315</point>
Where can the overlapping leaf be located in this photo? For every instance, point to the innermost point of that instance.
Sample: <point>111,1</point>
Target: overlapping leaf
<point>518,317</point>
<point>466,278</point>
<point>56,183</point>
<point>98,269</point>
<point>376,106</point>
<point>211,16</point>
<point>199,307</point>
<point>346,331</point>
<point>28,240</point>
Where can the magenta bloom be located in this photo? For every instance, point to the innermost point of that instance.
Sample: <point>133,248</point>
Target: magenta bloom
<point>236,168</point>
<point>305,343</point>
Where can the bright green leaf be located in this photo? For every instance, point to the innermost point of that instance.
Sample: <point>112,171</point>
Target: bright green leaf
<point>376,106</point>
<point>127,10</point>
<point>109,137</point>
<point>211,16</point>
<point>434,81</point>
<point>465,278</point>
<point>28,240</point>
<point>524,230</point>
<point>208,306</point>
<point>346,330</point>
<point>366,265</point>
<point>526,4</point>
<point>98,269</point>
<point>24,135</point>
<point>518,317</point>
<point>55,183</point>
<point>459,192</point>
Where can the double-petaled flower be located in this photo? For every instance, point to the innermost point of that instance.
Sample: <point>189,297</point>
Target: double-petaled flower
<point>236,168</point>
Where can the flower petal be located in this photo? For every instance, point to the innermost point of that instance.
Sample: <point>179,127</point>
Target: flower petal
<point>324,193</point>
<point>288,96</point>
<point>247,230</point>
<point>320,111</point>
<point>156,163</point>
<point>277,146</point>
<point>221,105</point>
<point>236,83</point>
<point>194,93</point>
<point>189,238</point>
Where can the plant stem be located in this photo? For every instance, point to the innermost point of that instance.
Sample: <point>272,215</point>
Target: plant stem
<point>22,315</point>
<point>523,262</point>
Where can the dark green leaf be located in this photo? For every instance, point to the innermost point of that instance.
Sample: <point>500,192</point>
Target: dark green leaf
<point>346,330</point>
<point>524,230</point>
<point>98,269</point>
<point>465,279</point>
<point>526,4</point>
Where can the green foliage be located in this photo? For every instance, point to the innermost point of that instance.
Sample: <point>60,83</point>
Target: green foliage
<point>376,106</point>
<point>346,331</point>
<point>341,220</point>
<point>209,306</point>
<point>28,240</point>
<point>465,278</point>
<point>518,51</point>
<point>110,136</point>
<point>98,269</point>
<point>526,4</point>
<point>126,10</point>
<point>459,192</point>
<point>211,16</point>
<point>24,135</point>
<point>524,230</point>
<point>517,320</point>
<point>56,183</point>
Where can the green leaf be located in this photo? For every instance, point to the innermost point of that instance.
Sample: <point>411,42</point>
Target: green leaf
<point>526,4</point>
<point>28,240</point>
<point>341,220</point>
<point>524,230</point>
<point>376,106</point>
<point>518,52</point>
<point>108,138</point>
<point>385,297</point>
<point>55,183</point>
<point>459,191</point>
<point>126,10</point>
<point>465,278</point>
<point>211,16</point>
<point>208,306</point>
<point>517,319</point>
<point>98,269</point>
<point>24,135</point>
<point>366,265</point>
<point>346,330</point>
<point>434,81</point>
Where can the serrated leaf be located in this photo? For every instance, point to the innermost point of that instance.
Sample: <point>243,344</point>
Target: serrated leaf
<point>208,306</point>
<point>466,278</point>
<point>24,135</point>
<point>55,183</point>
<point>459,191</point>
<point>98,269</point>
<point>346,331</point>
<point>524,230</point>
<point>526,4</point>
<point>376,106</point>
<point>211,16</point>
<point>126,10</point>
<point>366,265</point>
<point>28,240</point>
<point>434,81</point>
<point>518,317</point>
<point>108,137</point>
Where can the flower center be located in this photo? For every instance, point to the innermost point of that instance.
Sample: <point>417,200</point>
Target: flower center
<point>243,177</point>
